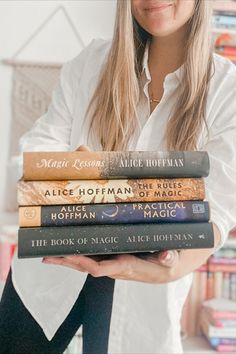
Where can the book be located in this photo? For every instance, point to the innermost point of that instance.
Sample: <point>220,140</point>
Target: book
<point>85,214</point>
<point>114,164</point>
<point>227,348</point>
<point>221,308</point>
<point>221,260</point>
<point>112,239</point>
<point>226,285</point>
<point>109,191</point>
<point>227,50</point>
<point>225,341</point>
<point>220,21</point>
<point>220,322</point>
<point>222,5</point>
<point>226,253</point>
<point>229,268</point>
<point>225,13</point>
<point>218,284</point>
<point>210,285</point>
<point>213,331</point>
<point>233,286</point>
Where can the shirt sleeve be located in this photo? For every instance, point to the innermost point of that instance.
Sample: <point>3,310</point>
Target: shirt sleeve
<point>221,147</point>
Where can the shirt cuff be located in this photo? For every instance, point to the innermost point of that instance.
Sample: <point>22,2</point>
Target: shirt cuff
<point>218,220</point>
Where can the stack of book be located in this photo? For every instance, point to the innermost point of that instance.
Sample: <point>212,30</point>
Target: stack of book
<point>112,202</point>
<point>218,324</point>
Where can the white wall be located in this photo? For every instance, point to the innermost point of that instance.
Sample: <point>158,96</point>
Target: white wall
<point>56,43</point>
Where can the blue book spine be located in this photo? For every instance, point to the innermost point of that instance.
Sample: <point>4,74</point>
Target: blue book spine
<point>120,213</point>
<point>224,21</point>
<point>215,341</point>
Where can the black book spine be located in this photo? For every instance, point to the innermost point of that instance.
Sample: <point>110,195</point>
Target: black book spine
<point>112,239</point>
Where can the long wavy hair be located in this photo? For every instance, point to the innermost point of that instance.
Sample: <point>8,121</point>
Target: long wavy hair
<point>113,107</point>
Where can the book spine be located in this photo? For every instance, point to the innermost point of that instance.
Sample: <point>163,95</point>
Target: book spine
<point>226,286</point>
<point>215,341</point>
<point>227,348</point>
<point>230,268</point>
<point>218,284</point>
<point>109,191</point>
<point>233,287</point>
<point>132,213</point>
<point>112,165</point>
<point>224,21</point>
<point>222,260</point>
<point>210,286</point>
<point>222,314</point>
<point>227,50</point>
<point>225,13</point>
<point>112,239</point>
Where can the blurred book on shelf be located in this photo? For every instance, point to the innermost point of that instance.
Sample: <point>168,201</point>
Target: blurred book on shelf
<point>218,323</point>
<point>224,5</point>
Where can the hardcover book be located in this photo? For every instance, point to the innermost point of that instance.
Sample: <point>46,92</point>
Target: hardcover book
<point>112,239</point>
<point>77,214</point>
<point>109,191</point>
<point>108,165</point>
<point>213,331</point>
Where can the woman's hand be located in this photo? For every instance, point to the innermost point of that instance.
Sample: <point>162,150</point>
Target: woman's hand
<point>159,268</point>
<point>155,268</point>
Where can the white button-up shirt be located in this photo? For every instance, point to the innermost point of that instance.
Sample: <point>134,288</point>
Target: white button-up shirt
<point>145,317</point>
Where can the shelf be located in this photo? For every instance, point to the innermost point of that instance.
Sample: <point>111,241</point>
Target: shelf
<point>197,345</point>
<point>224,30</point>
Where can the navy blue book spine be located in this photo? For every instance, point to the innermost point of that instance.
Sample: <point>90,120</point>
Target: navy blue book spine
<point>89,214</point>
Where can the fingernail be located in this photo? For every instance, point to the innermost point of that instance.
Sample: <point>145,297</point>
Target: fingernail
<point>166,256</point>
<point>163,255</point>
<point>169,256</point>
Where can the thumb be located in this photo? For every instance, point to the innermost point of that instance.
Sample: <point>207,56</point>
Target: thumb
<point>83,148</point>
<point>168,258</point>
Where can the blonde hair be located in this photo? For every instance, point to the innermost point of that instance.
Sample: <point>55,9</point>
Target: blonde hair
<point>113,107</point>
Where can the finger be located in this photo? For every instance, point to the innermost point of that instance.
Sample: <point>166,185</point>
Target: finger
<point>168,258</point>
<point>62,261</point>
<point>83,148</point>
<point>122,265</point>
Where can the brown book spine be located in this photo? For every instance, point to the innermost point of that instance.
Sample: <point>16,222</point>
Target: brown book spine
<point>109,191</point>
<point>75,165</point>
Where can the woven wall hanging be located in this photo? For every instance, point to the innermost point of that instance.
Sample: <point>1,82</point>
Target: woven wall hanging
<point>32,87</point>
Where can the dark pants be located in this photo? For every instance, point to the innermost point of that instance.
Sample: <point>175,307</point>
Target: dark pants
<point>21,334</point>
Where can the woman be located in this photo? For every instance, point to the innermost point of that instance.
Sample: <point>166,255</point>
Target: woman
<point>157,86</point>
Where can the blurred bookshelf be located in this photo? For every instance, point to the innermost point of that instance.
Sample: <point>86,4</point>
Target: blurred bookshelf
<point>224,28</point>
